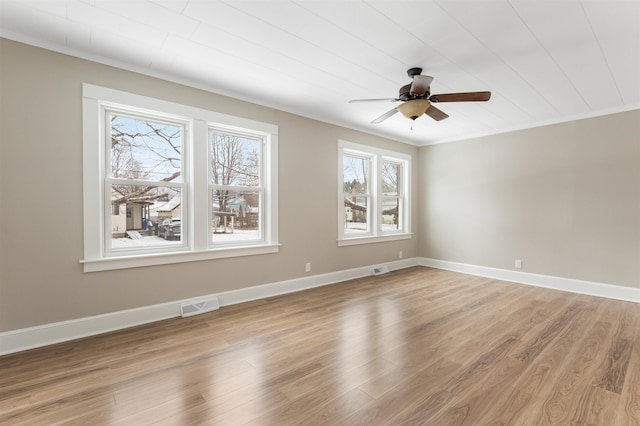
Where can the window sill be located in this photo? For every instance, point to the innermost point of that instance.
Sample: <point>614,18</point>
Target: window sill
<point>111,263</point>
<point>352,241</point>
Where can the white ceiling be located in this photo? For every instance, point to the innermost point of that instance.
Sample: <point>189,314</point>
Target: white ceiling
<point>544,61</point>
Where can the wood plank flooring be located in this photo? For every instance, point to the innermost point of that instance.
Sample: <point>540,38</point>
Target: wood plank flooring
<point>417,346</point>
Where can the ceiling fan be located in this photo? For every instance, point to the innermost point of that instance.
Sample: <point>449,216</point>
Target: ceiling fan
<point>417,99</point>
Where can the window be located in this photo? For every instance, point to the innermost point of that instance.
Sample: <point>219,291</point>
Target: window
<point>167,183</point>
<point>236,187</point>
<point>357,193</point>
<point>392,198</point>
<point>145,174</point>
<point>373,194</point>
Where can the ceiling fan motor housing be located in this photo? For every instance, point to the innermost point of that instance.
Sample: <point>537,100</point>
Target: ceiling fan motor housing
<point>404,94</point>
<point>411,72</point>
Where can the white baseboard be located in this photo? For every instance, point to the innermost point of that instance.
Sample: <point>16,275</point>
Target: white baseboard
<point>590,288</point>
<point>47,334</point>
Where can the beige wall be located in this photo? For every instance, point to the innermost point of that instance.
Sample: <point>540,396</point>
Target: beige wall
<point>563,198</point>
<point>41,239</point>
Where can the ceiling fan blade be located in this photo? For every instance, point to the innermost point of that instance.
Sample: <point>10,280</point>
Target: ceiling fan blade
<point>374,100</point>
<point>435,113</point>
<point>461,97</point>
<point>385,116</point>
<point>420,84</point>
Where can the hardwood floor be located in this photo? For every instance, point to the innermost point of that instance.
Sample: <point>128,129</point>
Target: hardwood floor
<point>418,346</point>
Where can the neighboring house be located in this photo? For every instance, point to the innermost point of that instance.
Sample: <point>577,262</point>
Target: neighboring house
<point>138,215</point>
<point>354,212</point>
<point>118,220</point>
<point>244,206</point>
<point>130,216</point>
<point>164,209</point>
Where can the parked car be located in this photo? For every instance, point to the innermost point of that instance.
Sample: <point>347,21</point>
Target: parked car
<point>170,227</point>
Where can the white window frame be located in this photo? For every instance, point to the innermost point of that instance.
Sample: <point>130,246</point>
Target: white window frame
<point>197,226</point>
<point>376,156</point>
<point>109,107</point>
<point>264,204</point>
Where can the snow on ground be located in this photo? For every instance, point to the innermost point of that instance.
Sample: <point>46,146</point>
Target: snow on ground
<point>357,227</point>
<point>236,235</point>
<point>154,241</point>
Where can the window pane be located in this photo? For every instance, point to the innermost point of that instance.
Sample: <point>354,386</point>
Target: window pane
<point>145,149</point>
<point>236,216</point>
<point>391,214</point>
<point>145,216</point>
<point>391,175</point>
<point>355,174</point>
<point>356,217</point>
<point>235,160</point>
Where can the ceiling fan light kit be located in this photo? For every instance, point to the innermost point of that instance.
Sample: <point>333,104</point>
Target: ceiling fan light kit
<point>414,108</point>
<point>417,99</point>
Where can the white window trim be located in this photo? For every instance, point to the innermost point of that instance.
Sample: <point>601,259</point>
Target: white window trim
<point>263,189</point>
<point>198,247</point>
<point>375,235</point>
<point>186,125</point>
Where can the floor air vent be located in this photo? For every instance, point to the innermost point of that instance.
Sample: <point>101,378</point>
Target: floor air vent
<point>199,307</point>
<point>379,270</point>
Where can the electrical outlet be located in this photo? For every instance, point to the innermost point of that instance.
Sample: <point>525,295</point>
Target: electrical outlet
<point>307,267</point>
<point>518,264</point>
<point>400,255</point>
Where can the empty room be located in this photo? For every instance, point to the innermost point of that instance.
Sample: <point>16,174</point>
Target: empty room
<point>321,212</point>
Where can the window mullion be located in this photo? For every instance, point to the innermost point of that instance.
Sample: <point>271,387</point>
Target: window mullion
<point>200,195</point>
<point>376,223</point>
